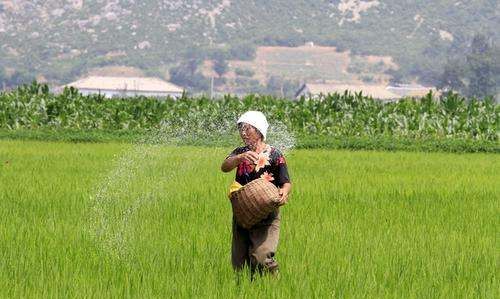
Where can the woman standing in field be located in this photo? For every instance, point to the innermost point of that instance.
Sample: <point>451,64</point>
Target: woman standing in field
<point>256,247</point>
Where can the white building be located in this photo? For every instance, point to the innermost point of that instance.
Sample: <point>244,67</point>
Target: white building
<point>127,87</point>
<point>411,90</point>
<point>312,90</point>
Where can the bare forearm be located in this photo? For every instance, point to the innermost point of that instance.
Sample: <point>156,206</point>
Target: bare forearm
<point>230,163</point>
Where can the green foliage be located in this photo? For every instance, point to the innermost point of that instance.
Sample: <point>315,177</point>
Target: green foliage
<point>134,221</point>
<point>304,141</point>
<point>15,79</point>
<point>188,75</point>
<point>244,72</point>
<point>281,87</point>
<point>2,74</point>
<point>484,65</point>
<point>476,73</point>
<point>80,38</point>
<point>282,41</point>
<point>243,51</point>
<point>220,67</point>
<point>334,117</point>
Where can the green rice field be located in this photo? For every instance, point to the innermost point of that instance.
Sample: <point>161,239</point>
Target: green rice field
<point>116,220</point>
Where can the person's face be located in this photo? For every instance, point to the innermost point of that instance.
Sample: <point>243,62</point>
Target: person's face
<point>249,134</point>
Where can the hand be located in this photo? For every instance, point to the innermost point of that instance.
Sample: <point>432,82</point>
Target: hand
<point>250,156</point>
<point>283,192</point>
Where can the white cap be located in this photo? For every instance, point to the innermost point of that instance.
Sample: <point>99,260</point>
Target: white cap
<point>256,119</point>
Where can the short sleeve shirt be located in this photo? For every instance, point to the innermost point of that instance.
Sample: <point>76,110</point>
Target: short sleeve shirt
<point>271,166</point>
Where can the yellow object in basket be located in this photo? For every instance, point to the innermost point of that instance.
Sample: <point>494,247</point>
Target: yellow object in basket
<point>235,186</point>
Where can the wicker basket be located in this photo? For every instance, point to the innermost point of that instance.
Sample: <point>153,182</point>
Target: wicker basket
<point>254,201</point>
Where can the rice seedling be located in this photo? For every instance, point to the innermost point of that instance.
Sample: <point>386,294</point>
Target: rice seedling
<point>153,220</point>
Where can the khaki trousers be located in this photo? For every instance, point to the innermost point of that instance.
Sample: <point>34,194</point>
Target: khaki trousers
<point>256,247</point>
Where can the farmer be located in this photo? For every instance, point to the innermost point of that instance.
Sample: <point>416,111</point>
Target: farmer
<point>256,247</point>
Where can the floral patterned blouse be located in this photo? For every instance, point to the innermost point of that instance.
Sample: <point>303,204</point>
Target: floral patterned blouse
<point>271,165</point>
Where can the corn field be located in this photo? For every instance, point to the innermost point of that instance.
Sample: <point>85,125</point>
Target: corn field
<point>338,115</point>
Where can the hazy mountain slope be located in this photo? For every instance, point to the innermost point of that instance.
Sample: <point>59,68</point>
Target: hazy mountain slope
<point>61,38</point>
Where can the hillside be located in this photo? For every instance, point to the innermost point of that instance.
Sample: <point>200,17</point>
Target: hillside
<point>61,40</point>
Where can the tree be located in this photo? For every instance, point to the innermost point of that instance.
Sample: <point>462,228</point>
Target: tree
<point>451,79</point>
<point>275,86</point>
<point>15,79</point>
<point>19,78</point>
<point>220,67</point>
<point>282,87</point>
<point>396,76</point>
<point>481,64</point>
<point>2,78</point>
<point>187,75</point>
<point>478,73</point>
<point>246,51</point>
